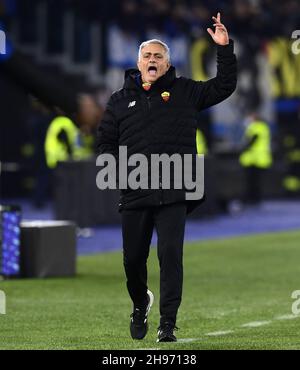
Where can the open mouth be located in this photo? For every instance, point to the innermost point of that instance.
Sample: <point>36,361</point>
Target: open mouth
<point>152,70</point>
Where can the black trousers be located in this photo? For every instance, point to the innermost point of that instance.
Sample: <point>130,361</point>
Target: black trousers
<point>137,228</point>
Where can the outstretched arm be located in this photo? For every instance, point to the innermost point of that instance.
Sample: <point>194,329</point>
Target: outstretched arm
<point>215,90</point>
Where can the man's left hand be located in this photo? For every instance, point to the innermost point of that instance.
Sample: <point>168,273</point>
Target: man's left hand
<point>220,36</point>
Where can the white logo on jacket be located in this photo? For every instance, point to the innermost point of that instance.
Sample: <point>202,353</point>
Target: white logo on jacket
<point>131,104</point>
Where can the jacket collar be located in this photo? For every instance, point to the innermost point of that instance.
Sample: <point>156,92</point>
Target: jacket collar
<point>132,76</point>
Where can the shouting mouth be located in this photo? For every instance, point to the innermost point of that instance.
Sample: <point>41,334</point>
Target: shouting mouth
<point>152,70</point>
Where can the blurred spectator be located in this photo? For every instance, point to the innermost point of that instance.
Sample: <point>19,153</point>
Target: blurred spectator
<point>291,143</point>
<point>65,142</point>
<point>81,107</point>
<point>38,123</point>
<point>256,157</point>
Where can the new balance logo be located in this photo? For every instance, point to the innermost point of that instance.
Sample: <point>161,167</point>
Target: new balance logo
<point>131,104</point>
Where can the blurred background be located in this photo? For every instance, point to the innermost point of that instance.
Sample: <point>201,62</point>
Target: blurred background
<point>251,141</point>
<point>59,62</point>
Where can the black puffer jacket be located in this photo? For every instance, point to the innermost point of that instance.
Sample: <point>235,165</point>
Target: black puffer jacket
<point>146,123</point>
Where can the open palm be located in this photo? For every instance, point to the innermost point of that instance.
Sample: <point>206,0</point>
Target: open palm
<point>220,36</point>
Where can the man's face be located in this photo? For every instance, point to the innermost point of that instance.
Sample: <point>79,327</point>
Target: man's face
<point>153,62</point>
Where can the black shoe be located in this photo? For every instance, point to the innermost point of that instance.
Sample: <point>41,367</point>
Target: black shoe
<point>139,319</point>
<point>165,332</point>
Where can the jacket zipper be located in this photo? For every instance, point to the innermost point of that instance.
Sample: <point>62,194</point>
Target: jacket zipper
<point>149,102</point>
<point>161,195</point>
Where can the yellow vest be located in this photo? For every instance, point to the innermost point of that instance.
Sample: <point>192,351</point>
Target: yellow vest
<point>259,153</point>
<point>200,142</point>
<point>56,151</point>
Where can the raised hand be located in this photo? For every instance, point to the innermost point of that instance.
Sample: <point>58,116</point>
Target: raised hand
<point>220,36</point>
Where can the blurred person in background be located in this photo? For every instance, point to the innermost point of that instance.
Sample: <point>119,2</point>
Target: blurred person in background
<point>80,107</point>
<point>54,97</point>
<point>38,121</point>
<point>153,97</point>
<point>291,146</point>
<point>201,142</point>
<point>64,141</point>
<point>256,157</point>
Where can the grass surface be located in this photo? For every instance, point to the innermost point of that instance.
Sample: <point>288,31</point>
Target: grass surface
<point>227,283</point>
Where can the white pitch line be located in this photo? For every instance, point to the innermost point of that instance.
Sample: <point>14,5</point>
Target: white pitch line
<point>287,317</point>
<point>148,349</point>
<point>218,333</point>
<point>255,324</point>
<point>188,340</point>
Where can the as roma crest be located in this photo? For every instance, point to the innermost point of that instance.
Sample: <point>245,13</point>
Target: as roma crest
<point>165,95</point>
<point>146,86</point>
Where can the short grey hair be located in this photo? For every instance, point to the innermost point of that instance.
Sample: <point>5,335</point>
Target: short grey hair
<point>155,41</point>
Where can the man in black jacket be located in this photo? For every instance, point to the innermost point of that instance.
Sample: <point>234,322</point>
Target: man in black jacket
<point>156,112</point>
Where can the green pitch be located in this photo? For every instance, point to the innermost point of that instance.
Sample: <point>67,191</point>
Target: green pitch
<point>227,284</point>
